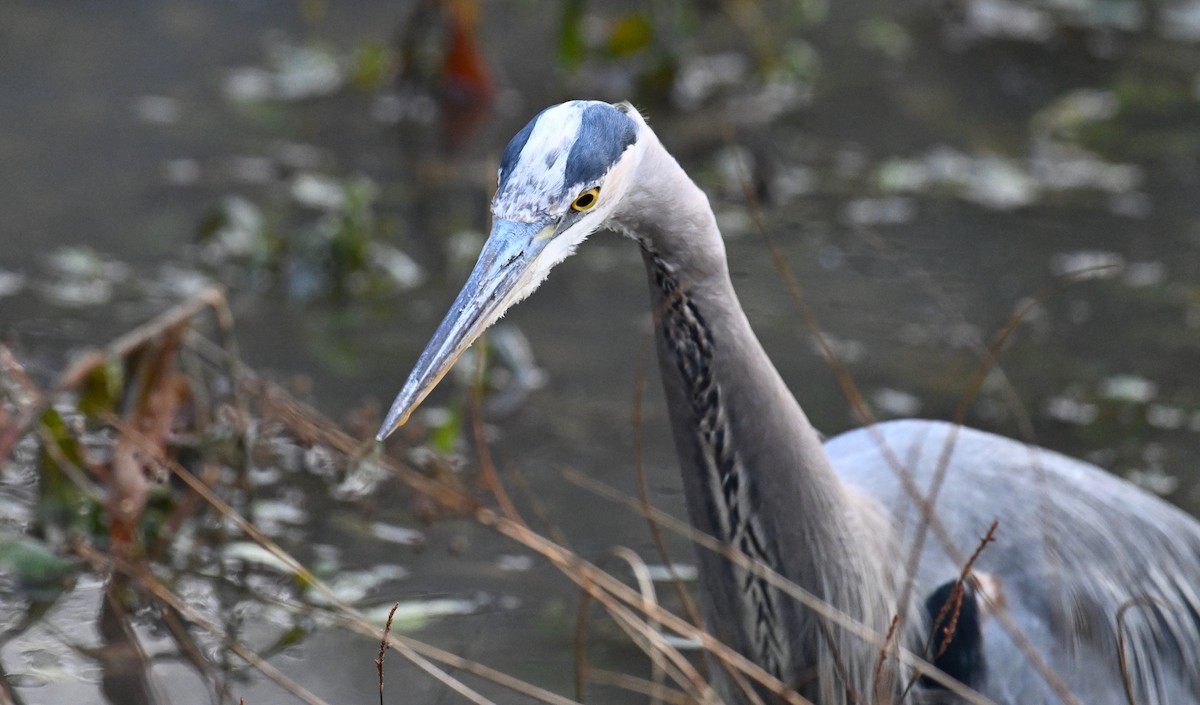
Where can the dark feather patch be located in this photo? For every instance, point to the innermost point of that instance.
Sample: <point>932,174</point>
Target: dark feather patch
<point>512,153</point>
<point>604,134</point>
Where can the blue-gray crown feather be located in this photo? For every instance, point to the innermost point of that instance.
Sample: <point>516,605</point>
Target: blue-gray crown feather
<point>563,149</point>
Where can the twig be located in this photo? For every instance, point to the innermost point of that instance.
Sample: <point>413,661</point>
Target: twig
<point>487,468</point>
<point>1122,659</point>
<point>383,647</point>
<point>949,630</point>
<point>642,633</point>
<point>639,685</point>
<point>883,654</point>
<point>952,607</point>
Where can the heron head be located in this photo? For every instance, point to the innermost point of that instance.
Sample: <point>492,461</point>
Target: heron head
<point>561,178</point>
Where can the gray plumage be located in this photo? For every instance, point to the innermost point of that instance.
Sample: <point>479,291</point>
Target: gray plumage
<point>1074,544</point>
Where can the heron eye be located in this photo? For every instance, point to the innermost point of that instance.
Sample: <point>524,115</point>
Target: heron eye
<point>586,200</point>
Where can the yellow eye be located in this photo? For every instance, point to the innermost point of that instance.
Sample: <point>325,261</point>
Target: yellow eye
<point>586,200</point>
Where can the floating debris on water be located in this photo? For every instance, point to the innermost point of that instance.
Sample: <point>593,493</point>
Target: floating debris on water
<point>11,283</point>
<point>792,181</point>
<point>272,515</point>
<point>844,349</point>
<point>991,181</point>
<point>394,533</point>
<point>83,277</point>
<point>248,169</point>
<point>353,586</point>
<point>318,191</point>
<point>1087,264</point>
<point>1075,109</point>
<point>182,172</point>
<point>514,563</point>
<point>1063,167</point>
<point>1142,274</point>
<point>892,210</point>
<point>362,479</point>
<point>294,72</point>
<point>249,553</point>
<point>1003,19</point>
<point>660,573</point>
<point>403,270</point>
<point>1154,480</point>
<point>1072,411</point>
<point>736,166</point>
<point>156,109</point>
<point>682,643</point>
<point>413,615</point>
<point>1180,20</point>
<point>394,108</point>
<point>1003,183</point>
<point>1131,389</point>
<point>1168,418</point>
<point>999,183</point>
<point>513,372</point>
<point>237,230</point>
<point>895,403</point>
<point>701,77</point>
<point>247,83</point>
<point>178,282</point>
<point>734,222</point>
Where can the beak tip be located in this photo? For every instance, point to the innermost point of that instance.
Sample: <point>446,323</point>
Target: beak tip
<point>396,418</point>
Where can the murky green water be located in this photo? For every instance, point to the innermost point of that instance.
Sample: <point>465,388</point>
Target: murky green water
<point>924,176</point>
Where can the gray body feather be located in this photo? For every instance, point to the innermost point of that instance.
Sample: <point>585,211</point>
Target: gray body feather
<point>1074,544</point>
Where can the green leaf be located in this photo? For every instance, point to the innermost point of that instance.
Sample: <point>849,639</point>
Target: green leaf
<point>32,562</point>
<point>373,64</point>
<point>62,505</point>
<point>102,389</point>
<point>445,436</point>
<point>629,35</point>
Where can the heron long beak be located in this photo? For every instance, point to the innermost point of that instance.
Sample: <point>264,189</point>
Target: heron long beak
<point>504,274</point>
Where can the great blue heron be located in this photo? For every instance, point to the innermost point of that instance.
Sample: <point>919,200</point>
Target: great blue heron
<point>1082,560</point>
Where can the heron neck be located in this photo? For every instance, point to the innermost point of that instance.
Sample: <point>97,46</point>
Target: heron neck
<point>706,345</point>
<point>755,471</point>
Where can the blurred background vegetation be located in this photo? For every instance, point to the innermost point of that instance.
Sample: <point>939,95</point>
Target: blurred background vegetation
<point>927,169</point>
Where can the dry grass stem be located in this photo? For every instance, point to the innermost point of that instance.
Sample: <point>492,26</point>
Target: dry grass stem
<point>487,469</point>
<point>665,660</point>
<point>883,654</point>
<point>640,686</point>
<point>1122,658</point>
<point>383,647</point>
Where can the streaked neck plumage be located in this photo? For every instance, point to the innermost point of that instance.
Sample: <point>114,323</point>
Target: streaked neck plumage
<point>729,410</point>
